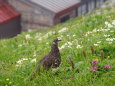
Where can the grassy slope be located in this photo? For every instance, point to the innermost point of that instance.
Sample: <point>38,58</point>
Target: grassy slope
<point>12,50</point>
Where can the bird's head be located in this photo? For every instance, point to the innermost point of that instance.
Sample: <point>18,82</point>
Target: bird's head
<point>55,41</point>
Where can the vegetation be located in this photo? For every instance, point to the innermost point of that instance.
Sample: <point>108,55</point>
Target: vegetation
<point>89,40</point>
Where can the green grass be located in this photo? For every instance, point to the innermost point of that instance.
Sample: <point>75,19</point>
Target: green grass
<point>38,43</point>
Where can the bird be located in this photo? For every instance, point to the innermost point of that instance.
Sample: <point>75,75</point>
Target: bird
<point>52,59</point>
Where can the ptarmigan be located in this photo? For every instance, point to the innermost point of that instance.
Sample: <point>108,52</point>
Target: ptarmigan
<point>52,59</point>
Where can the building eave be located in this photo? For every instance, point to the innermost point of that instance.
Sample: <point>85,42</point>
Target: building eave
<point>34,5</point>
<point>58,14</point>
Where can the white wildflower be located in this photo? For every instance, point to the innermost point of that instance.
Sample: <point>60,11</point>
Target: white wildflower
<point>106,23</point>
<point>20,45</point>
<point>59,38</point>
<point>62,47</point>
<point>109,25</point>
<point>113,22</point>
<point>74,35</point>
<point>69,43</point>
<point>89,32</point>
<point>66,44</point>
<point>109,42</point>
<point>17,65</point>
<point>86,34</point>
<point>63,30</point>
<point>33,60</point>
<point>88,39</point>
<point>39,39</point>
<point>21,60</point>
<point>79,46</point>
<point>111,31</point>
<point>55,69</point>
<point>47,43</point>
<point>109,39</point>
<point>105,30</point>
<point>98,30</point>
<point>61,35</point>
<point>34,55</point>
<point>68,35</point>
<point>24,59</point>
<point>96,44</point>
<point>36,36</point>
<point>94,30</point>
<point>106,35</point>
<point>48,34</point>
<point>28,36</point>
<point>99,42</point>
<point>69,46</point>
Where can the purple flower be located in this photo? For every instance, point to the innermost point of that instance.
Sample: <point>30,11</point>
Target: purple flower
<point>94,68</point>
<point>94,62</point>
<point>107,66</point>
<point>65,78</point>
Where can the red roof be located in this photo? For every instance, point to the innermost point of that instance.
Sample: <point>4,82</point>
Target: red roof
<point>7,13</point>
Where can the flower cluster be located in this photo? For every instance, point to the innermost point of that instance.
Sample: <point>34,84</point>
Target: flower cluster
<point>33,60</point>
<point>96,44</point>
<point>95,65</point>
<point>69,45</point>
<point>96,30</point>
<point>40,36</point>
<point>28,36</point>
<point>79,46</point>
<point>113,22</point>
<point>63,30</point>
<point>22,44</point>
<point>49,34</point>
<point>94,68</point>
<point>105,35</point>
<point>110,40</point>
<point>21,61</point>
<point>108,25</point>
<point>94,62</point>
<point>107,66</point>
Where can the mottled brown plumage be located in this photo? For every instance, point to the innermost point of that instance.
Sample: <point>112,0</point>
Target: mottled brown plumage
<point>52,59</point>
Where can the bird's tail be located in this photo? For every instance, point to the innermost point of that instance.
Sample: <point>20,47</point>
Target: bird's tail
<point>37,68</point>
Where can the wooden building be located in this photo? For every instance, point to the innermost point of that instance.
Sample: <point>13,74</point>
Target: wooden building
<point>42,14</point>
<point>45,13</point>
<point>9,21</point>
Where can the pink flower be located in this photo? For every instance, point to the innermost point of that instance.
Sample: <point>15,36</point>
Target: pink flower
<point>94,68</point>
<point>107,66</point>
<point>94,62</point>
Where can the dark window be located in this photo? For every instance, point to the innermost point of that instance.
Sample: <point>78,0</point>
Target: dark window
<point>77,11</point>
<point>65,18</point>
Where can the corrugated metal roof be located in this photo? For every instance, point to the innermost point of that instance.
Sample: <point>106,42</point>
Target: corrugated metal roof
<point>56,5</point>
<point>7,12</point>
